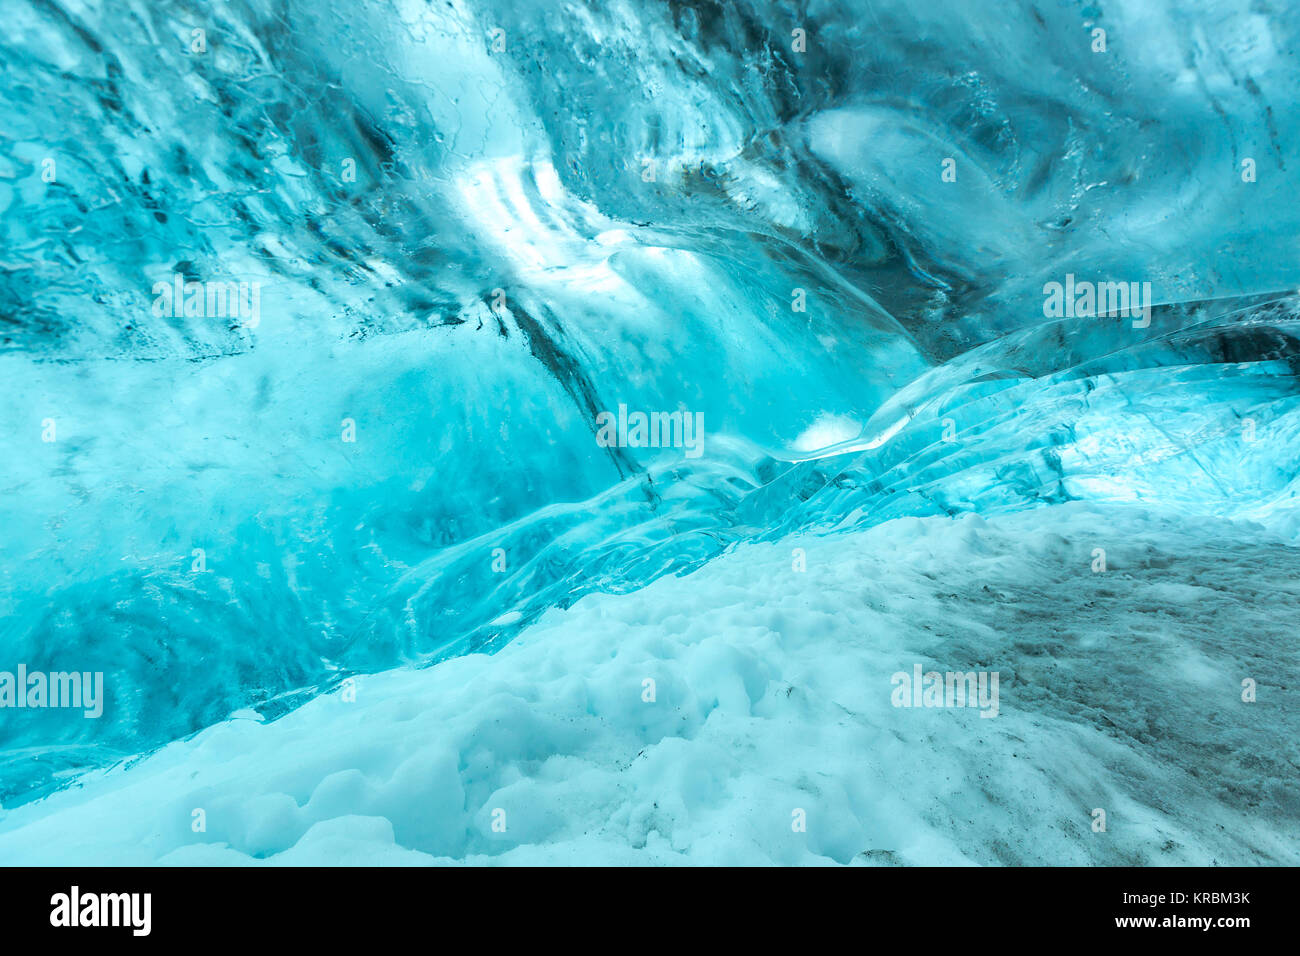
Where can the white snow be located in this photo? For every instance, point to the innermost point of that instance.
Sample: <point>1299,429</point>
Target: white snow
<point>1119,690</point>
<point>827,430</point>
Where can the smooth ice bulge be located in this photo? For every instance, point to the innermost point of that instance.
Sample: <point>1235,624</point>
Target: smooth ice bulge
<point>313,316</point>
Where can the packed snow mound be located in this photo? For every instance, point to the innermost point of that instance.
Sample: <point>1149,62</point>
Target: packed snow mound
<point>749,713</point>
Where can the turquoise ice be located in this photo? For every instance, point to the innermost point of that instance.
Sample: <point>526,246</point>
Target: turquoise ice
<point>310,313</point>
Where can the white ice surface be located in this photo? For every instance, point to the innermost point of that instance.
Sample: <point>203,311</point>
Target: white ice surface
<point>1118,690</point>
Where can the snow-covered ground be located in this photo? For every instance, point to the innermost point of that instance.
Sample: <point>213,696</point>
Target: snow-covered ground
<point>772,735</point>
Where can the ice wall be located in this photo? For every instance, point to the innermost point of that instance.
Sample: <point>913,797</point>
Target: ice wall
<point>473,227</point>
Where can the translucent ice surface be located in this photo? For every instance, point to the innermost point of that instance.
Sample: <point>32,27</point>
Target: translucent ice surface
<point>314,319</point>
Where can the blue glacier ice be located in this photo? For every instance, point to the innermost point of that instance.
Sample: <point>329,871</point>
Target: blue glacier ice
<point>474,226</point>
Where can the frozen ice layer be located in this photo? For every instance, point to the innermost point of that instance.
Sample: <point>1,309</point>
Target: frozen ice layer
<point>327,335</point>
